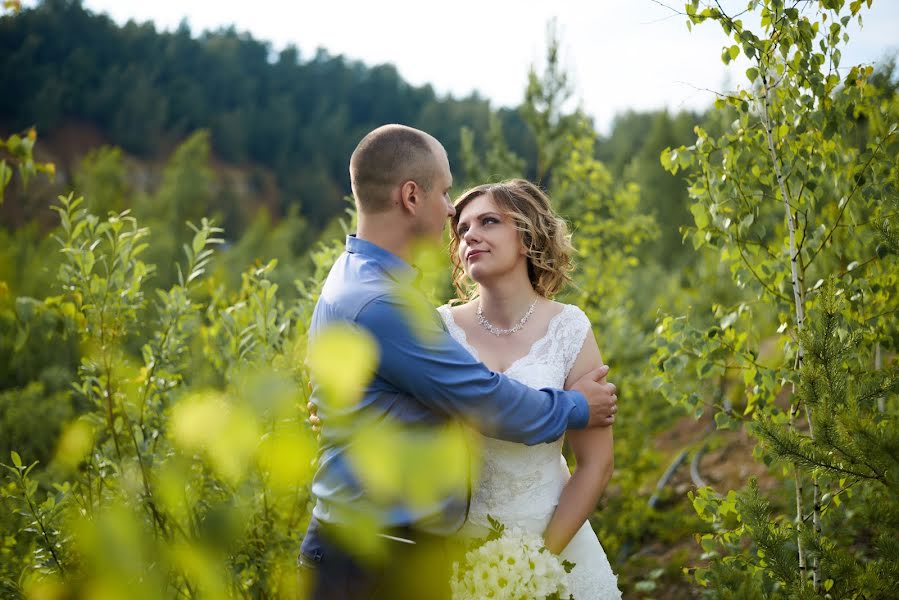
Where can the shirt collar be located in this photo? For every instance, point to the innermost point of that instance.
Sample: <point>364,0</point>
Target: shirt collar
<point>390,262</point>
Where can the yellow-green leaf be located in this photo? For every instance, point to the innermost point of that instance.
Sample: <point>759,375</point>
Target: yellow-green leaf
<point>342,359</point>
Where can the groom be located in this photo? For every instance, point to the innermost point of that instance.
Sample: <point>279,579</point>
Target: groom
<point>401,179</point>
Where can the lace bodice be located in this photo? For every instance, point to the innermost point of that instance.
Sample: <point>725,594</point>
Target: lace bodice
<point>550,358</point>
<point>518,483</point>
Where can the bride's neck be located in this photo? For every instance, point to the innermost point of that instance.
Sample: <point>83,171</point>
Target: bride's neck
<point>505,302</point>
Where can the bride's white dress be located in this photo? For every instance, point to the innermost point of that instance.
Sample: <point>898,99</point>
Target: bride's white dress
<point>520,484</point>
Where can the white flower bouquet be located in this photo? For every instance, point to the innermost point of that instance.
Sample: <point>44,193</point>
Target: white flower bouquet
<point>510,565</point>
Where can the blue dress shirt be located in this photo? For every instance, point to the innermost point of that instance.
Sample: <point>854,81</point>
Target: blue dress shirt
<point>421,380</point>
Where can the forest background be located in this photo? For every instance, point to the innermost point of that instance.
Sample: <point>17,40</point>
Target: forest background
<point>739,266</point>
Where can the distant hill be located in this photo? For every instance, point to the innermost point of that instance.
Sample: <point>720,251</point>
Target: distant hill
<point>145,91</point>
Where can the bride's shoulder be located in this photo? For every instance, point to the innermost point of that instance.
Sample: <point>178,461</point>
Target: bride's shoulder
<point>573,311</point>
<point>456,311</point>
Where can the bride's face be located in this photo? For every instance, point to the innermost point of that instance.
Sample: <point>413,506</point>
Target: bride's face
<point>489,244</point>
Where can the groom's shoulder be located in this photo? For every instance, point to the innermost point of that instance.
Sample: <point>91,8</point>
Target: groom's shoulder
<point>352,284</point>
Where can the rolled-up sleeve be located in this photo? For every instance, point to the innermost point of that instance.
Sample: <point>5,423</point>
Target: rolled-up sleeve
<point>431,366</point>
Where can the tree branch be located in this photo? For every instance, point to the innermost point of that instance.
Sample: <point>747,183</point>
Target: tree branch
<point>848,198</point>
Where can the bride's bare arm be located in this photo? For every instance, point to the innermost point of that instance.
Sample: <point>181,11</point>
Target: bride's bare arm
<point>593,451</point>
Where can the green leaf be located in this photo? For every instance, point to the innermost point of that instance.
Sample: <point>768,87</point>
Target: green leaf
<point>724,421</point>
<point>684,157</point>
<point>199,241</point>
<point>13,143</point>
<point>700,215</point>
<point>752,73</point>
<point>16,459</point>
<point>667,159</point>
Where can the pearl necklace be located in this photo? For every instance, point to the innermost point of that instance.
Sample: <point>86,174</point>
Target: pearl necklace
<point>498,331</point>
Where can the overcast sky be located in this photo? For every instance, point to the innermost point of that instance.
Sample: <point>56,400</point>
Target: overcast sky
<point>622,54</point>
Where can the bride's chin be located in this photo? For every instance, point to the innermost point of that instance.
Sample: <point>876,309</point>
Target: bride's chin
<point>476,275</point>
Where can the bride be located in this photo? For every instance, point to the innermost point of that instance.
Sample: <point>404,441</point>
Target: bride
<point>511,255</point>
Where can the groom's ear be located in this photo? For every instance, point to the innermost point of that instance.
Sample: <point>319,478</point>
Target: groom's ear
<point>410,196</point>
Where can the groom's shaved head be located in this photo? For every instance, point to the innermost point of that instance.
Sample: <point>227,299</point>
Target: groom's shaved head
<point>385,158</point>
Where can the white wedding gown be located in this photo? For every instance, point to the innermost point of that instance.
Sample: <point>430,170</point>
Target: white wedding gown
<point>519,484</point>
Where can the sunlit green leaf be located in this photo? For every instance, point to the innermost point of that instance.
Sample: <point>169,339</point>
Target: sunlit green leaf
<point>342,360</point>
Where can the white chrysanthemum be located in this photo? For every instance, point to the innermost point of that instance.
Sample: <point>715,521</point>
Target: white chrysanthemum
<point>515,565</point>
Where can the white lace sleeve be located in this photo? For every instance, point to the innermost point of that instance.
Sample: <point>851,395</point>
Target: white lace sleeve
<point>574,331</point>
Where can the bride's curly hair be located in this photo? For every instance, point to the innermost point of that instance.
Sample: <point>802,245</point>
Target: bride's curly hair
<point>543,233</point>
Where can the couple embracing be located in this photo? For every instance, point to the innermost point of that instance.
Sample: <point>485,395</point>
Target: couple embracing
<point>518,368</point>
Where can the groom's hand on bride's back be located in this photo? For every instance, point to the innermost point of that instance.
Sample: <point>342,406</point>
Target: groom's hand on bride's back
<point>313,417</point>
<point>602,398</point>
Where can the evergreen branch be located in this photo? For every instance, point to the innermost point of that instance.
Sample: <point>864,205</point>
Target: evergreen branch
<point>772,540</point>
<point>871,392</point>
<point>790,449</point>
